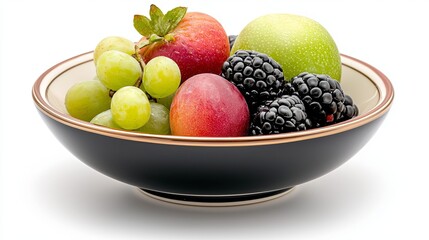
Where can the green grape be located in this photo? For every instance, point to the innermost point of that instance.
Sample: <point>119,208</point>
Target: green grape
<point>116,69</point>
<point>86,99</point>
<point>159,121</point>
<point>114,43</point>
<point>130,108</point>
<point>105,119</point>
<point>166,101</point>
<point>161,77</point>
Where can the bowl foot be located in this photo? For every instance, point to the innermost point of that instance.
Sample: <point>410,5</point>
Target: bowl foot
<point>216,200</point>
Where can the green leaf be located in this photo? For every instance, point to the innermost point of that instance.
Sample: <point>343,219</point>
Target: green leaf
<point>172,18</point>
<point>159,24</point>
<point>156,16</point>
<point>143,25</point>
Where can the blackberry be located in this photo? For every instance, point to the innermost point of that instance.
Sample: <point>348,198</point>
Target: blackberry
<point>323,98</point>
<point>351,110</point>
<point>282,115</point>
<point>231,39</point>
<point>256,75</point>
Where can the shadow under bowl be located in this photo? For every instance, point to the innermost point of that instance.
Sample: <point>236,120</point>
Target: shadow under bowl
<point>213,171</point>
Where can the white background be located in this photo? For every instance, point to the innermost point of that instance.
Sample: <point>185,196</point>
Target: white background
<point>380,193</point>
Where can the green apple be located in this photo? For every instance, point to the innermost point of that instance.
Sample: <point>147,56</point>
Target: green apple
<point>297,43</point>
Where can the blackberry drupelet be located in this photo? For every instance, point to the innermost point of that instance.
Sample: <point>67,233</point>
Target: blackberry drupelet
<point>256,75</point>
<point>323,98</point>
<point>231,39</point>
<point>282,115</point>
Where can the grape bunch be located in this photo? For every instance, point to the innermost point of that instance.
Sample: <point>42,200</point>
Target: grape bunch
<point>126,93</point>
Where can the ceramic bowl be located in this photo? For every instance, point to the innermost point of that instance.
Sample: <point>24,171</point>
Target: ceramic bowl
<point>213,171</point>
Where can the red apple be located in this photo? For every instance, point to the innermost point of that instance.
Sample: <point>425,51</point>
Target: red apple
<point>196,41</point>
<point>210,106</point>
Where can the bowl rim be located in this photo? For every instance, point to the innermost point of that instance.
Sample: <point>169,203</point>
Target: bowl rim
<point>382,83</point>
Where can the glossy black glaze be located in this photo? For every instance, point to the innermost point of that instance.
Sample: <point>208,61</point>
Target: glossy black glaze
<point>212,170</point>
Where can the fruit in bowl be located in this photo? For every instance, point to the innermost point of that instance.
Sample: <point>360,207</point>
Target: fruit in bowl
<point>299,44</point>
<point>287,116</point>
<point>207,105</point>
<point>196,41</point>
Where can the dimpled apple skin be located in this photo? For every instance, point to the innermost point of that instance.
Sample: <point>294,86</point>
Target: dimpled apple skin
<point>200,45</point>
<point>207,105</point>
<point>299,44</point>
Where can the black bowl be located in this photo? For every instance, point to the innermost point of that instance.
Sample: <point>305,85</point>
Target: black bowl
<point>213,171</point>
